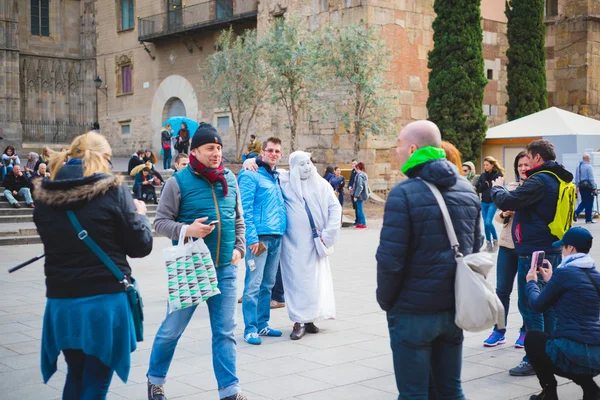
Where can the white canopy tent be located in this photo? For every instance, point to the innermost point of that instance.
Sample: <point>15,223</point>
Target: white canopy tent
<point>569,132</point>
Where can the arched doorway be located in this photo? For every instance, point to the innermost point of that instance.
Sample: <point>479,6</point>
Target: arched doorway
<point>174,107</point>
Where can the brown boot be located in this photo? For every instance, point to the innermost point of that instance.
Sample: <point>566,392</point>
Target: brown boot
<point>311,328</point>
<point>298,332</point>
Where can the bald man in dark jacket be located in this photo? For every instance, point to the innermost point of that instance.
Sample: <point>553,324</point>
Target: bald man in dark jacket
<point>416,265</point>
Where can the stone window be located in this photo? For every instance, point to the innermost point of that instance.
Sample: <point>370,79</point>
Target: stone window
<point>223,122</point>
<point>124,73</point>
<point>40,17</point>
<point>125,127</point>
<point>125,14</point>
<point>490,74</point>
<point>551,8</point>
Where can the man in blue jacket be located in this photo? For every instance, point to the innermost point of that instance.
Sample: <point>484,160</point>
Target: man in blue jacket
<point>586,186</point>
<point>416,265</point>
<point>266,222</point>
<point>534,203</point>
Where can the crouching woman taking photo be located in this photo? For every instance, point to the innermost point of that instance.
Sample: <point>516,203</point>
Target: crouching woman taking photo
<point>88,316</point>
<point>573,289</point>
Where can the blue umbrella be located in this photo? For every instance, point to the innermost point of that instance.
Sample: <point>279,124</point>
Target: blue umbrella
<point>176,125</point>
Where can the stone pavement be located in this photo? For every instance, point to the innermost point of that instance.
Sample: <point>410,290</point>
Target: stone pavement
<point>350,359</point>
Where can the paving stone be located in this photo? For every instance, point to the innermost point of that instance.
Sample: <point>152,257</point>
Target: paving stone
<point>344,374</point>
<point>286,386</point>
<point>350,359</point>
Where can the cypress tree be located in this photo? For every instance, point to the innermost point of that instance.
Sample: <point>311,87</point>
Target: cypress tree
<point>456,80</point>
<point>526,58</point>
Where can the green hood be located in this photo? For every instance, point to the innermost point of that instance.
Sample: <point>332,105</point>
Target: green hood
<point>423,155</point>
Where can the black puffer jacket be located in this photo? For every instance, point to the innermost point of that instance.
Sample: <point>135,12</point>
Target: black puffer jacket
<point>534,203</point>
<point>415,263</point>
<point>105,209</point>
<point>484,184</point>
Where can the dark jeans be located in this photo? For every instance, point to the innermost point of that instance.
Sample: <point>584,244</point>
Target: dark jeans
<point>545,322</point>
<point>587,203</point>
<point>535,347</point>
<point>506,271</point>
<point>426,347</point>
<point>167,159</point>
<point>87,377</point>
<point>277,292</point>
<point>144,192</point>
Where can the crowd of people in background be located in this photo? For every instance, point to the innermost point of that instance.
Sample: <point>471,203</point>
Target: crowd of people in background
<point>273,220</point>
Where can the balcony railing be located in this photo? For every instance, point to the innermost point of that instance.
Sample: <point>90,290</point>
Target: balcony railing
<point>213,13</point>
<point>53,132</point>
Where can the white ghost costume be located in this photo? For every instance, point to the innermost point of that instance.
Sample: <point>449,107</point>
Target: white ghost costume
<point>307,280</point>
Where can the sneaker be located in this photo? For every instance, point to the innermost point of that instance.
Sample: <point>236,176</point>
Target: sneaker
<point>237,396</point>
<point>156,392</point>
<point>16,205</point>
<point>277,304</point>
<point>590,222</point>
<point>489,248</point>
<point>361,226</point>
<point>268,331</point>
<point>520,343</point>
<point>523,369</point>
<point>253,338</point>
<point>495,246</point>
<point>494,339</point>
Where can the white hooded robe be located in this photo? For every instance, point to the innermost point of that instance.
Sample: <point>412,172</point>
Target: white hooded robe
<point>307,280</point>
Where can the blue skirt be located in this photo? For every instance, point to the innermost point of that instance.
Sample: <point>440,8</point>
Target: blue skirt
<point>101,326</point>
<point>574,357</point>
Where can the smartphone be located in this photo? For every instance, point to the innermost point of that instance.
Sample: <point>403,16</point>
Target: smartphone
<point>537,259</point>
<point>214,222</point>
<point>261,249</point>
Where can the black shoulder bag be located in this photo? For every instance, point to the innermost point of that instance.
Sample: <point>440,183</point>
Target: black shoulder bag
<point>133,295</point>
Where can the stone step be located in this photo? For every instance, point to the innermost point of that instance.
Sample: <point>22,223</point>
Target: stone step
<point>19,232</point>
<point>29,217</point>
<point>19,240</point>
<point>8,210</point>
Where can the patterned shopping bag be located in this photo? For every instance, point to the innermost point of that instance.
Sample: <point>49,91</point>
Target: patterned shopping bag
<point>191,274</point>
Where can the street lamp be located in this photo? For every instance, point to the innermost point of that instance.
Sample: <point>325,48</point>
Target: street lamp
<point>98,85</point>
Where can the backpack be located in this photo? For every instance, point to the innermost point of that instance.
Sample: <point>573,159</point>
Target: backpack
<point>565,206</point>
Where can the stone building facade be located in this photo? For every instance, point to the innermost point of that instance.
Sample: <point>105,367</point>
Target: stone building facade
<point>166,70</point>
<point>47,70</point>
<point>573,56</point>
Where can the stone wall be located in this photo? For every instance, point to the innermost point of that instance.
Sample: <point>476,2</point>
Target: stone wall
<point>573,57</point>
<point>495,45</point>
<point>10,102</point>
<point>57,72</point>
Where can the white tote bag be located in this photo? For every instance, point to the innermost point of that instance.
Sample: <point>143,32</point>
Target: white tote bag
<point>192,277</point>
<point>478,307</point>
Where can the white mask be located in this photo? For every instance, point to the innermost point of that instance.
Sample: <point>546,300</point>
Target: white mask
<point>303,165</point>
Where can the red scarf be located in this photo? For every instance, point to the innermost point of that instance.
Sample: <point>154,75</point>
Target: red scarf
<point>213,175</point>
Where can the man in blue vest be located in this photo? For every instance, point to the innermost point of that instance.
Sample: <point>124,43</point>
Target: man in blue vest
<point>205,197</point>
<point>266,221</point>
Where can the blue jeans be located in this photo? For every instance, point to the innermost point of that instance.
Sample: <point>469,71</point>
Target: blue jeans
<point>426,347</point>
<point>506,271</point>
<point>587,203</point>
<point>222,313</point>
<point>25,192</point>
<point>277,293</point>
<point>545,322</point>
<point>360,214</point>
<point>167,159</point>
<point>250,155</point>
<point>256,303</point>
<point>87,377</point>
<point>488,210</point>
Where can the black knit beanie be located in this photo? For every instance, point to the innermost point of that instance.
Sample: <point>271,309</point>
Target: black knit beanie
<point>206,133</point>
